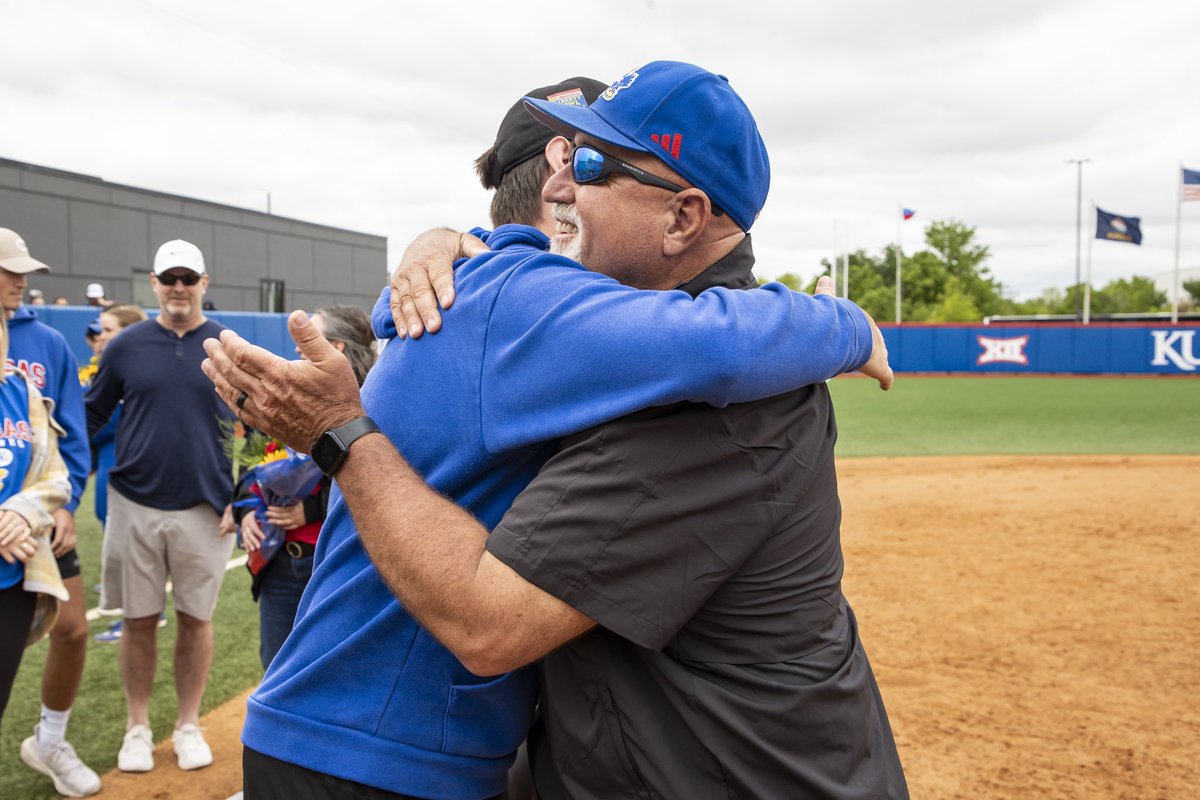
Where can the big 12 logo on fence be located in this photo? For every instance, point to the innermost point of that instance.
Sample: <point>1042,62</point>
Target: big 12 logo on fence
<point>1175,347</point>
<point>1003,351</point>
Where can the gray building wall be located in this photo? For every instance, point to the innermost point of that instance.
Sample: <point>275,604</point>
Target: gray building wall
<point>89,230</point>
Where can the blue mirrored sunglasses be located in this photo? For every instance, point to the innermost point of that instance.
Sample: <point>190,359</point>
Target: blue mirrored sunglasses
<point>590,165</point>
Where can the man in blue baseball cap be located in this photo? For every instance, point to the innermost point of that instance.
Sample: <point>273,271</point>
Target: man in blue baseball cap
<point>675,573</point>
<point>689,119</point>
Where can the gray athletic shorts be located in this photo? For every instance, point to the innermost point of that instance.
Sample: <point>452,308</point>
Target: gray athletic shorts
<point>144,546</point>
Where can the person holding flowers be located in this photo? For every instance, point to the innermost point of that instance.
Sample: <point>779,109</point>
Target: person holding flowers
<point>282,566</point>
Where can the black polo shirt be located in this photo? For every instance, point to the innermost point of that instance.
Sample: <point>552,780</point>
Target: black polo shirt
<point>726,662</point>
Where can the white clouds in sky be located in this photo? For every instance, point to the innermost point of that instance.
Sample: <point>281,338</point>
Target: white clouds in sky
<point>367,115</point>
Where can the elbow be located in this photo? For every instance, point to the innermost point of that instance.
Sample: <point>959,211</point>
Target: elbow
<point>486,656</point>
<point>483,667</point>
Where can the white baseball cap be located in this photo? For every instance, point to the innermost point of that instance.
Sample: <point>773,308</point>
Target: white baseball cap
<point>178,254</point>
<point>14,254</point>
<point>94,290</point>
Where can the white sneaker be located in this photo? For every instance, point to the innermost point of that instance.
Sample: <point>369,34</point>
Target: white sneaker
<point>190,748</point>
<point>71,776</point>
<point>137,751</point>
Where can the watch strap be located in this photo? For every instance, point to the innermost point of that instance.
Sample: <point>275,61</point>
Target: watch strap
<point>339,439</point>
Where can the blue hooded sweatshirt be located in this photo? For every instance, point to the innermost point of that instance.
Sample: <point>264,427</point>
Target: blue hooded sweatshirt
<point>42,353</point>
<point>536,347</point>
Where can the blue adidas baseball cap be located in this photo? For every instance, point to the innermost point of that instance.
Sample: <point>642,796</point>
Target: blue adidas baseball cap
<point>686,116</point>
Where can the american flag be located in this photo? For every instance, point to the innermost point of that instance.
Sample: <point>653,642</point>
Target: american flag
<point>1191,184</point>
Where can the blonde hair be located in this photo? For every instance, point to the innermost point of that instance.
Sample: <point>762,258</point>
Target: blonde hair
<point>3,345</point>
<point>126,315</point>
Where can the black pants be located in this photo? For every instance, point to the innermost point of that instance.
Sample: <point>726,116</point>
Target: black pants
<point>16,615</point>
<point>266,778</point>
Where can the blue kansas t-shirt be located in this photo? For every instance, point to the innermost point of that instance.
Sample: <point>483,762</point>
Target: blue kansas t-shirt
<point>16,439</point>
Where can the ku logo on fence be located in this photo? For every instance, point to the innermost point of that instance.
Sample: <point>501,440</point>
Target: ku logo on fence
<point>1175,347</point>
<point>1003,351</point>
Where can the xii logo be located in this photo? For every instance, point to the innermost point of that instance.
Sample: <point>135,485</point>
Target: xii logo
<point>1003,351</point>
<point>1175,347</point>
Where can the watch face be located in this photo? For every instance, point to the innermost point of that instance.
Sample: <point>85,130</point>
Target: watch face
<point>328,453</point>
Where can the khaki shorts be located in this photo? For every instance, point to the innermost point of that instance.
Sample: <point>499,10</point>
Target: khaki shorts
<point>144,546</point>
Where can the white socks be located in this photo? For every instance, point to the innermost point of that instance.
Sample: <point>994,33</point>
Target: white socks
<point>53,726</point>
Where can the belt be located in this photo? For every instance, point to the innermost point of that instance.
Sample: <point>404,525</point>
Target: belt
<point>298,549</point>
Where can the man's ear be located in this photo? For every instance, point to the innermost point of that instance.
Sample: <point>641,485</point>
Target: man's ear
<point>691,212</point>
<point>557,151</point>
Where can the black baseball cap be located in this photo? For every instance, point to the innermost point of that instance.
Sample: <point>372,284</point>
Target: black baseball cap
<point>521,137</point>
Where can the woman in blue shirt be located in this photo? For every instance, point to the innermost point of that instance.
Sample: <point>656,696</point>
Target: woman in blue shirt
<point>33,485</point>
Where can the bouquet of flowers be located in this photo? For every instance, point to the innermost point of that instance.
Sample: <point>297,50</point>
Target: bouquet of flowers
<point>244,447</point>
<point>282,477</point>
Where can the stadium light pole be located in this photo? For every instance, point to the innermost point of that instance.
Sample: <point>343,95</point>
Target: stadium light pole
<point>1078,162</point>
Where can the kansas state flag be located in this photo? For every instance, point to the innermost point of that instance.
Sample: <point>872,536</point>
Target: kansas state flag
<point>1118,228</point>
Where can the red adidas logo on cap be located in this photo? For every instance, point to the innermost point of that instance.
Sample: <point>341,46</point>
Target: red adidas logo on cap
<point>671,142</point>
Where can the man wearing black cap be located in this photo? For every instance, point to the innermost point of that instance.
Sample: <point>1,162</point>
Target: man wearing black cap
<point>540,348</point>
<point>517,154</point>
<point>695,549</point>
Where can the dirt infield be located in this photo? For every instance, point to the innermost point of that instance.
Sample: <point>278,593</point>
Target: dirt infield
<point>1034,624</point>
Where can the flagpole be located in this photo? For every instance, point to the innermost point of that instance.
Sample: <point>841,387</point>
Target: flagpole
<point>1087,284</point>
<point>846,265</point>
<point>1078,162</point>
<point>837,249</point>
<point>899,221</point>
<point>1175,293</point>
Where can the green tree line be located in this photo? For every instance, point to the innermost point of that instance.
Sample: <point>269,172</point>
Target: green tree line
<point>949,281</point>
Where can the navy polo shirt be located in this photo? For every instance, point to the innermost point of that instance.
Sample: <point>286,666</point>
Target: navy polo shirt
<point>169,454</point>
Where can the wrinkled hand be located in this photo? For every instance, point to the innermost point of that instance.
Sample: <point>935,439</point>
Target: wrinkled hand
<point>287,517</point>
<point>16,538</point>
<point>252,533</point>
<point>62,538</point>
<point>423,283</point>
<point>877,365</point>
<point>293,401</point>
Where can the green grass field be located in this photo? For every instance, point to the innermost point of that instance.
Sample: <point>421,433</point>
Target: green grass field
<point>98,719</point>
<point>928,416</point>
<point>920,416</point>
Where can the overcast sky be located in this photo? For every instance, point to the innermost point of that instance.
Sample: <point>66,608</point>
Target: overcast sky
<point>367,114</point>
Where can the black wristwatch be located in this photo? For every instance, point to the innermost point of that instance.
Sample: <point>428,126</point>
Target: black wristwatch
<point>330,451</point>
